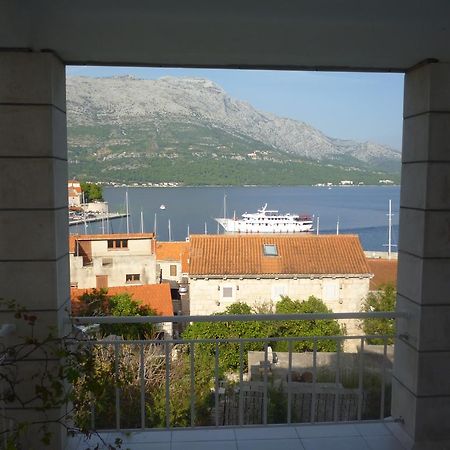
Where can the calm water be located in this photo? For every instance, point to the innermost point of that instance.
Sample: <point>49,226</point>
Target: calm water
<point>360,209</point>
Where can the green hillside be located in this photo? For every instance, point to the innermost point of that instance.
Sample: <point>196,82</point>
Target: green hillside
<point>196,154</point>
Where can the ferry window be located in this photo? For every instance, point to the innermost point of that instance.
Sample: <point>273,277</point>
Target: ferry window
<point>227,292</point>
<point>132,277</point>
<point>270,250</point>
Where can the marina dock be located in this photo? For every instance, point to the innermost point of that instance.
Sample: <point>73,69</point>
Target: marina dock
<point>89,217</point>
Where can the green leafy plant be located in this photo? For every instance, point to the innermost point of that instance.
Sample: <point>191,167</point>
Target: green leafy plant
<point>99,303</point>
<point>92,192</point>
<point>382,300</point>
<point>37,372</point>
<point>229,352</point>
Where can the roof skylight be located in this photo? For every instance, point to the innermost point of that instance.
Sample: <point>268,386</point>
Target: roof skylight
<point>270,250</point>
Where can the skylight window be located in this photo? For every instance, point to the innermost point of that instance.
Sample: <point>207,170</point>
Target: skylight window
<point>270,250</point>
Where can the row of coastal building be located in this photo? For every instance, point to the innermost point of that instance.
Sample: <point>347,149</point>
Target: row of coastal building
<point>210,272</point>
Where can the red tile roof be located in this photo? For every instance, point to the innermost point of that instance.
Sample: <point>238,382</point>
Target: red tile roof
<point>385,272</point>
<point>156,296</point>
<point>297,254</point>
<point>174,251</point>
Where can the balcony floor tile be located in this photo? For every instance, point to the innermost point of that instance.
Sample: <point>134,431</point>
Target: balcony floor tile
<point>270,444</point>
<point>204,445</point>
<point>318,431</point>
<point>269,432</point>
<point>384,443</point>
<point>216,434</point>
<point>341,436</point>
<point>335,443</point>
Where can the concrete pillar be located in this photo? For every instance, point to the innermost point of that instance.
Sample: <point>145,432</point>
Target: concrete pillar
<point>33,204</point>
<point>421,382</point>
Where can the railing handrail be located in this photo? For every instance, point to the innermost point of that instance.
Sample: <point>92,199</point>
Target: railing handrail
<point>235,317</point>
<point>237,340</point>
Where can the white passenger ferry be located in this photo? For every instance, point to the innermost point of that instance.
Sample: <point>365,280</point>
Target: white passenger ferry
<point>267,221</point>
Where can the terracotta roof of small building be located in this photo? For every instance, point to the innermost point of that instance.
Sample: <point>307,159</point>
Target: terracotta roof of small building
<point>297,254</point>
<point>156,296</point>
<point>384,271</point>
<point>173,251</point>
<point>104,237</point>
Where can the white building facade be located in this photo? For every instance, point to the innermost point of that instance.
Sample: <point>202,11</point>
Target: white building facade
<point>102,261</point>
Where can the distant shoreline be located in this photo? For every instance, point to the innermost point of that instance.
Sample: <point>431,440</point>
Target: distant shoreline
<point>106,184</point>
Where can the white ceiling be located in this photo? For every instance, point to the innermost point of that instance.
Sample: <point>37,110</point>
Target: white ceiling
<point>310,34</point>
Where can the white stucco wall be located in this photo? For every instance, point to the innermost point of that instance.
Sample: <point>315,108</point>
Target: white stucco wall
<point>165,267</point>
<point>339,294</point>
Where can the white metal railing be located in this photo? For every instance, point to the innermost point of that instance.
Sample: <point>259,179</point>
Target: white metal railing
<point>164,351</point>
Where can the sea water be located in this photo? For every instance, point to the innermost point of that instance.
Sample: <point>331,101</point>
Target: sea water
<point>358,210</point>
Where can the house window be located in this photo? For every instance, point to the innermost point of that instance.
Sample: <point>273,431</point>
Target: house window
<point>330,290</point>
<point>133,277</point>
<point>227,292</point>
<point>114,244</point>
<point>173,270</point>
<point>107,262</point>
<point>270,250</point>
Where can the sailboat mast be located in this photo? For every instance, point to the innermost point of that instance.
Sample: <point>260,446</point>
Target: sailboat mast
<point>318,225</point>
<point>337,226</point>
<point>154,225</point>
<point>224,206</point>
<point>170,232</point>
<point>390,230</point>
<point>142,221</point>
<point>127,212</point>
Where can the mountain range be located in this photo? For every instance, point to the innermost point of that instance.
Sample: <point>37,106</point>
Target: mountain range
<point>190,131</point>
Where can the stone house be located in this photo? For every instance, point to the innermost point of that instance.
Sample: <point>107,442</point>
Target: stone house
<point>172,261</point>
<point>74,193</point>
<point>105,260</point>
<point>172,266</point>
<point>259,269</point>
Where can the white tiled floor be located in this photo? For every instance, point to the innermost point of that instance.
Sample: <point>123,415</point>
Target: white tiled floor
<point>346,436</point>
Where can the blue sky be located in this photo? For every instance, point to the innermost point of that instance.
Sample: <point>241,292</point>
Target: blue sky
<point>361,106</point>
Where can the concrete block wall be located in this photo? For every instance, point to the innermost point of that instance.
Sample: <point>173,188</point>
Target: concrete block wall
<point>34,263</point>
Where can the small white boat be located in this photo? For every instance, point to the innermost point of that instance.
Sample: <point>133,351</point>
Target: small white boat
<point>162,207</point>
<point>267,221</point>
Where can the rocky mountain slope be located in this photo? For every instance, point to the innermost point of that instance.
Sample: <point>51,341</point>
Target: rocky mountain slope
<point>127,120</point>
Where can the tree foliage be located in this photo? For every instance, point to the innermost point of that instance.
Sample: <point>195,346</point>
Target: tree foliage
<point>98,303</point>
<point>92,192</point>
<point>382,300</point>
<point>229,353</point>
<point>293,328</point>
